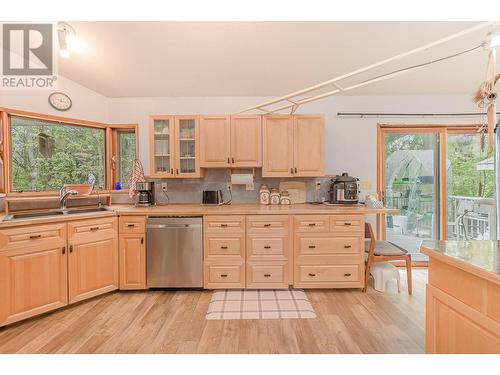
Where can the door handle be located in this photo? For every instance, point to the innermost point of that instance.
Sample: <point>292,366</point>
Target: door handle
<point>35,236</point>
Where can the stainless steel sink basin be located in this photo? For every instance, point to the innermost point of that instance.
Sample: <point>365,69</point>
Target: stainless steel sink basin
<point>29,215</point>
<point>85,210</point>
<point>32,215</point>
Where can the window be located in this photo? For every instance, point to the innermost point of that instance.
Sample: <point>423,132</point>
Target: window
<point>46,155</point>
<point>125,155</point>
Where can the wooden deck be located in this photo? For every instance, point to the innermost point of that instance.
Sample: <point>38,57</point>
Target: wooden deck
<point>348,321</point>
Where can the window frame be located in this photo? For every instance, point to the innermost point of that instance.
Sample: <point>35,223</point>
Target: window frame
<point>111,131</point>
<point>114,158</point>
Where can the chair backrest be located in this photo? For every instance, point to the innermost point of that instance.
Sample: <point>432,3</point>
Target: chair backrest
<point>369,235</point>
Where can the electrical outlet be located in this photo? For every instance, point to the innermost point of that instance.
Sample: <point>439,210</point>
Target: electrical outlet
<point>250,186</point>
<point>164,186</point>
<point>318,185</point>
<point>229,186</point>
<point>365,185</point>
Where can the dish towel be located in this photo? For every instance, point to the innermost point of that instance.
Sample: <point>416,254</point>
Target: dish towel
<point>135,176</point>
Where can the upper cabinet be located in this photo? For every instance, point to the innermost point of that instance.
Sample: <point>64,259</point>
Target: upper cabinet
<point>231,141</point>
<point>174,147</point>
<point>293,146</point>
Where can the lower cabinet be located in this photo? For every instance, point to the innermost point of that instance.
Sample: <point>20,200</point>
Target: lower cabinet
<point>92,258</point>
<point>132,261</point>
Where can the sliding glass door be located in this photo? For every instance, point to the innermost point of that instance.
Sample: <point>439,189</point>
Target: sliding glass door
<point>442,181</point>
<point>412,186</point>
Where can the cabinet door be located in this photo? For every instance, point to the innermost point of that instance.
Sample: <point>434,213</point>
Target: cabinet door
<point>33,280</point>
<point>246,141</point>
<point>309,146</point>
<point>277,143</point>
<point>93,268</point>
<point>187,136</point>
<point>215,137</point>
<point>132,262</point>
<point>161,146</point>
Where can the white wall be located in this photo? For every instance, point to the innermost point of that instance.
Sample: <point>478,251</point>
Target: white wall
<point>350,143</point>
<point>87,104</point>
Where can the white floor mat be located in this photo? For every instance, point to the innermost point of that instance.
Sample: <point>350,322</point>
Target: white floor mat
<point>260,304</point>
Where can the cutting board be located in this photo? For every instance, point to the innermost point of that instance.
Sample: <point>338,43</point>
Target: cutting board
<point>297,190</point>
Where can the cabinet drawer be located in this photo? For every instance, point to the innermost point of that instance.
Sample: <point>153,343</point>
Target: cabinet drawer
<point>224,224</point>
<point>267,276</point>
<point>347,223</point>
<point>272,246</point>
<point>40,236</point>
<point>329,273</point>
<point>132,224</point>
<point>267,224</point>
<point>328,245</point>
<point>224,276</point>
<point>93,229</point>
<point>224,246</point>
<point>312,223</point>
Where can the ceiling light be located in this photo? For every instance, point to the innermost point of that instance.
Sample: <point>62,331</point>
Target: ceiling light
<point>495,41</point>
<point>68,40</point>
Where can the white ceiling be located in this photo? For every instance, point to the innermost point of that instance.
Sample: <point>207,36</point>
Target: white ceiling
<point>145,59</point>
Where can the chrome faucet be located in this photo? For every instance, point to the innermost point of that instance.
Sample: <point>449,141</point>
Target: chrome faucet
<point>64,196</point>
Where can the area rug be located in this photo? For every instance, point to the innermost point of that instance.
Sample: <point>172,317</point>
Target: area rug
<point>260,304</point>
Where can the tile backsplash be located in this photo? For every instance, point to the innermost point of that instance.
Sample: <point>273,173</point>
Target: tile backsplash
<point>189,190</point>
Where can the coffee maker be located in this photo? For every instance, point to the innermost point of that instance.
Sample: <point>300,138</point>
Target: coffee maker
<point>146,194</point>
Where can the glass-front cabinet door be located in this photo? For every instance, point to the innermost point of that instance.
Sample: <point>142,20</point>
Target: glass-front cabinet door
<point>187,146</point>
<point>162,146</point>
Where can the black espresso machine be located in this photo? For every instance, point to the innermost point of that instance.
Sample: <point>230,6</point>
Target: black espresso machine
<point>344,190</point>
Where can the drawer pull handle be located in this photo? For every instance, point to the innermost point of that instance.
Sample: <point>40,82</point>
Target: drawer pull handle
<point>130,225</point>
<point>267,247</point>
<point>347,224</point>
<point>312,246</point>
<point>223,275</point>
<point>267,225</point>
<point>347,246</point>
<point>93,229</point>
<point>223,225</point>
<point>312,274</point>
<point>347,274</point>
<point>70,248</point>
<point>64,250</point>
<point>142,240</point>
<point>312,224</point>
<point>35,236</point>
<point>223,247</point>
<point>267,275</point>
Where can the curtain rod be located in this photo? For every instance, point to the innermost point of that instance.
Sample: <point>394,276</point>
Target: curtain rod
<point>378,115</point>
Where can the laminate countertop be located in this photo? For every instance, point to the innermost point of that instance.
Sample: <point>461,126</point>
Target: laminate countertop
<point>478,257</point>
<point>201,210</point>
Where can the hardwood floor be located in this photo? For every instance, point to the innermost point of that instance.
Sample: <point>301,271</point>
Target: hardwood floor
<point>348,321</point>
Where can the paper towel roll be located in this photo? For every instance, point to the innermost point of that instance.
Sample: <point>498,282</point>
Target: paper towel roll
<point>242,178</point>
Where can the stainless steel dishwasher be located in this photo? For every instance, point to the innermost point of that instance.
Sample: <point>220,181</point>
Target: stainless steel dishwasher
<point>174,252</point>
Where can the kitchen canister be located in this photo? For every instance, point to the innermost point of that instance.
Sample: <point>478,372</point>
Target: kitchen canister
<point>264,194</point>
<point>285,198</point>
<point>274,196</point>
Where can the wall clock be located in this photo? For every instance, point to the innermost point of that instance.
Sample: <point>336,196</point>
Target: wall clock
<point>60,101</point>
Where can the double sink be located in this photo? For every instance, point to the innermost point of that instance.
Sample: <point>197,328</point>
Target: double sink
<point>49,213</point>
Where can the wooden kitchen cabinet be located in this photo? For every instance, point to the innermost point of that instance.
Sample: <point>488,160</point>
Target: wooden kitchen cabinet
<point>175,147</point>
<point>293,146</point>
<point>308,146</point>
<point>132,252</point>
<point>93,258</point>
<point>246,141</point>
<point>231,142</point>
<point>277,146</point>
<point>33,271</point>
<point>215,145</point>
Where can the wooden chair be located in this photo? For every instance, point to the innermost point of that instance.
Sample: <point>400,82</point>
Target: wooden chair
<point>383,251</point>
